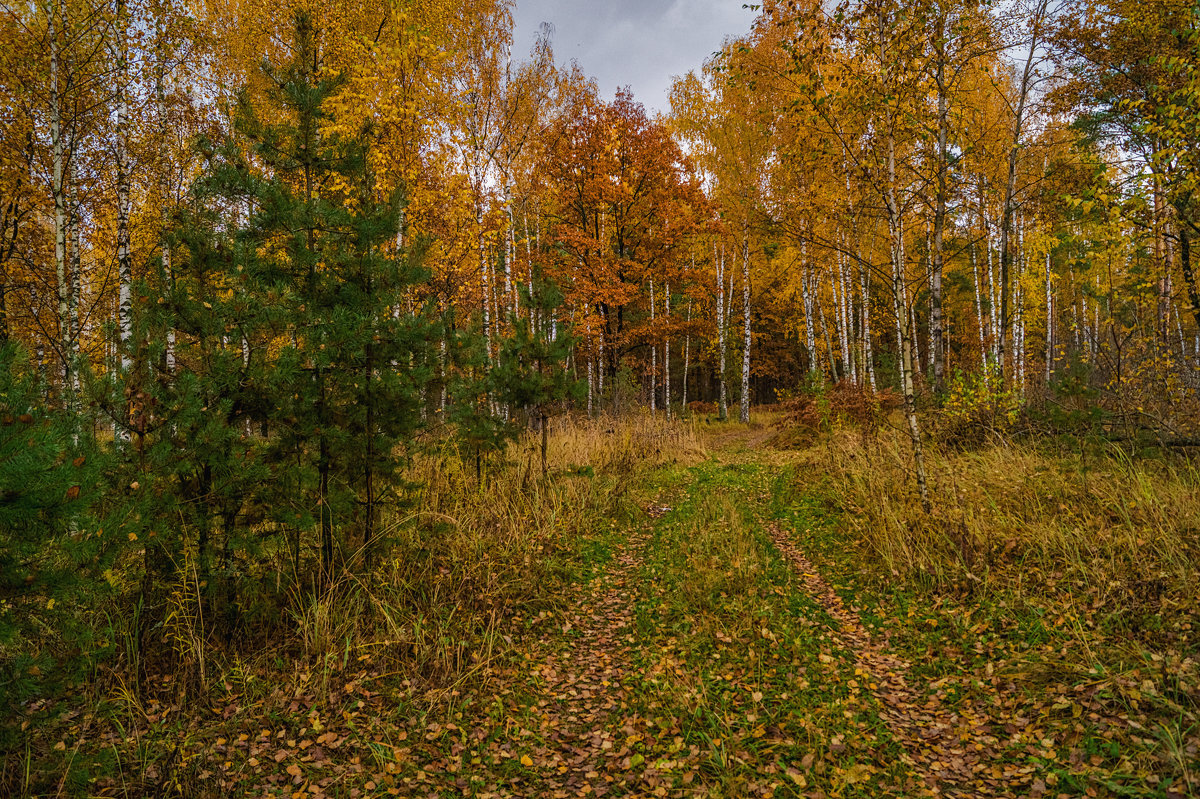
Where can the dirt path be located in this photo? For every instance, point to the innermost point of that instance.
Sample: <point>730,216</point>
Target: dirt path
<point>585,697</point>
<point>694,651</point>
<point>950,751</point>
<point>585,703</point>
<point>586,731</point>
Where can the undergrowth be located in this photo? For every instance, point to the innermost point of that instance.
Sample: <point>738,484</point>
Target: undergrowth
<point>457,575</point>
<point>1121,535</point>
<point>1066,573</point>
<point>746,660</point>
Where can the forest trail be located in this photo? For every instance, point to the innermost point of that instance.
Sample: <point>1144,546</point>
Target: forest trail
<point>947,751</point>
<point>623,696</point>
<point>580,673</point>
<point>604,682</point>
<point>708,643</point>
<point>950,750</point>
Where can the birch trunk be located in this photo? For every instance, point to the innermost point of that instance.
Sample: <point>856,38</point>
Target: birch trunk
<point>484,291</point>
<point>1049,321</point>
<point>442,370</point>
<point>825,329</point>
<point>810,335</point>
<point>600,367</point>
<point>868,350</point>
<point>993,324</point>
<point>720,270</point>
<point>534,321</point>
<point>1010,189</point>
<point>76,275</point>
<point>1075,309</point>
<point>904,337</point>
<point>59,191</point>
<point>1161,260</point>
<point>1183,354</point>
<point>160,101</point>
<point>937,335</point>
<point>746,333</point>
<point>983,356</point>
<point>843,315</point>
<point>124,261</point>
<point>1019,320</point>
<point>667,356</point>
<point>916,336</point>
<point>510,252</point>
<point>653,356</point>
<point>687,355</point>
<point>837,318</point>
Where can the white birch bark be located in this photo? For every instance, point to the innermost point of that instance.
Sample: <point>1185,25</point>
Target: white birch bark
<point>510,252</point>
<point>534,321</point>
<point>591,383</point>
<point>653,356</point>
<point>993,323</point>
<point>124,260</point>
<point>1183,356</point>
<point>719,261</point>
<point>59,194</point>
<point>844,320</point>
<point>839,369</point>
<point>444,374</point>
<point>600,367</point>
<point>160,101</point>
<point>983,353</point>
<point>810,336</point>
<point>824,327</point>
<point>76,292</point>
<point>667,353</point>
<point>904,336</point>
<point>1075,309</point>
<point>1009,207</point>
<point>868,349</point>
<point>1083,324</point>
<point>687,355</point>
<point>746,332</point>
<point>484,290</point>
<point>929,348</point>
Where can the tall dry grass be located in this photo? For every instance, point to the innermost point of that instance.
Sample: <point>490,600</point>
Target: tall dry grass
<point>620,445</point>
<point>471,556</point>
<point>1123,530</point>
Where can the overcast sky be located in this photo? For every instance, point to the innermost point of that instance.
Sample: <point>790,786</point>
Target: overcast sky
<point>635,43</point>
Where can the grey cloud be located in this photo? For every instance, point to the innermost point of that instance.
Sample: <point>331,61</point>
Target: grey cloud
<point>635,43</point>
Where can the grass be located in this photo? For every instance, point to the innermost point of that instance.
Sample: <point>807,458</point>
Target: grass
<point>743,661</point>
<point>1066,580</point>
<point>459,580</point>
<point>1116,538</point>
<point>459,664</point>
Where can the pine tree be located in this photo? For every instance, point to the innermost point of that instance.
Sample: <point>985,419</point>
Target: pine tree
<point>530,373</point>
<point>301,352</point>
<point>346,344</point>
<point>51,550</point>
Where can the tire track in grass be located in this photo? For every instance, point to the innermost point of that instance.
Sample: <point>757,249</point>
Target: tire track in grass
<point>744,664</point>
<point>583,695</point>
<point>951,750</point>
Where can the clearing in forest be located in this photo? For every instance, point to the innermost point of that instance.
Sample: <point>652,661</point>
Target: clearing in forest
<point>716,636</point>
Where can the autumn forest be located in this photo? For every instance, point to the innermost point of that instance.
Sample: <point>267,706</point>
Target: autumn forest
<point>385,409</point>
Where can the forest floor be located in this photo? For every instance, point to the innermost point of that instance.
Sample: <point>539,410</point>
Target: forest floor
<point>716,639</point>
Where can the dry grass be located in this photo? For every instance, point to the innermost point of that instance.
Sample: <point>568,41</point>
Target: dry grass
<point>719,552</point>
<point>620,445</point>
<point>1128,530</point>
<point>471,558</point>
